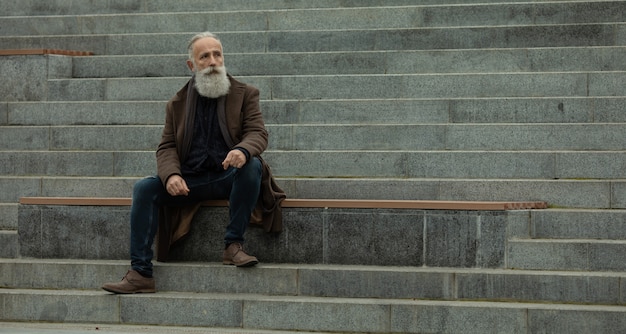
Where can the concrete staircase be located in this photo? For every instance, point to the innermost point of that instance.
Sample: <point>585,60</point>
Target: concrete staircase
<point>461,100</point>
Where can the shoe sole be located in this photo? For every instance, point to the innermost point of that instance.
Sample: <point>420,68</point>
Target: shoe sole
<point>241,265</point>
<point>129,292</point>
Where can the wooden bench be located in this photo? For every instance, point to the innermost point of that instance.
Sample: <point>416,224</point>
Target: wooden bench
<point>312,203</point>
<point>22,52</point>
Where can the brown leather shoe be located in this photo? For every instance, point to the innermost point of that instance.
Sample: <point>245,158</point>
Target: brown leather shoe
<point>234,254</point>
<point>132,282</point>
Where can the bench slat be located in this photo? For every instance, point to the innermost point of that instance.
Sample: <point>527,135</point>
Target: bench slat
<point>313,203</point>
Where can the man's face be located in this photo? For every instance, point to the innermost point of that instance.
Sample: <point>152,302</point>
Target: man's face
<point>206,52</point>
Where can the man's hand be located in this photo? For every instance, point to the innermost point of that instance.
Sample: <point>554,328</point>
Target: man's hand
<point>176,186</point>
<point>235,158</point>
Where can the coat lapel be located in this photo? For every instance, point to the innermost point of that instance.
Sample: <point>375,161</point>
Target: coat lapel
<point>190,115</point>
<point>221,117</point>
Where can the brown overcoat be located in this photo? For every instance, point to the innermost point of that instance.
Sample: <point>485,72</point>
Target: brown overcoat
<point>242,126</point>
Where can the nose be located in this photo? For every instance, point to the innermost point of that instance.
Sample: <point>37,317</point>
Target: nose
<point>212,60</point>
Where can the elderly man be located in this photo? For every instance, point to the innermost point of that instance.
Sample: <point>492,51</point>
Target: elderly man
<point>210,149</point>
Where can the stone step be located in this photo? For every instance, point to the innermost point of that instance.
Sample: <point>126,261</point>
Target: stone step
<point>365,62</point>
<point>95,112</point>
<point>598,224</point>
<point>397,111</point>
<point>250,311</point>
<point>578,224</point>
<point>523,36</point>
<point>82,7</point>
<point>89,328</point>
<point>581,224</point>
<point>315,87</point>
<point>456,137</point>
<point>59,68</point>
<point>559,193</point>
<point>10,244</point>
<point>444,164</point>
<point>449,164</point>
<point>318,235</point>
<point>8,216</point>
<point>572,193</point>
<point>567,254</point>
<point>463,137</point>
<point>431,238</point>
<point>554,224</point>
<point>396,17</point>
<point>345,281</point>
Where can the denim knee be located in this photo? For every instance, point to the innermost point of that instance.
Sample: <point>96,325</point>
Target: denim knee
<point>251,170</point>
<point>148,185</point>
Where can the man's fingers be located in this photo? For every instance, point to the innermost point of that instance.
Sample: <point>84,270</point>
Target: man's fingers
<point>226,163</point>
<point>183,191</point>
<point>176,186</point>
<point>235,158</point>
<point>182,188</point>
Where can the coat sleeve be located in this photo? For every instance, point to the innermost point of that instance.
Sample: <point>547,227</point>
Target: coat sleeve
<point>253,135</point>
<point>168,162</point>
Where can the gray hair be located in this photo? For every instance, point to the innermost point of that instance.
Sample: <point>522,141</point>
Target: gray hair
<point>200,36</point>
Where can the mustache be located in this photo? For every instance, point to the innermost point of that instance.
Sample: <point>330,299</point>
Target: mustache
<point>212,70</point>
<point>212,81</point>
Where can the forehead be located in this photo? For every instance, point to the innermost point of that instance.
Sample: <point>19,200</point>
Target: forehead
<point>206,44</point>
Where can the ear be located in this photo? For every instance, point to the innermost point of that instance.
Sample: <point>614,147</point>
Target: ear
<point>190,64</point>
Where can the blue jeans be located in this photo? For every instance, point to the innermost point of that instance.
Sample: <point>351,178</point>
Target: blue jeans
<point>240,186</point>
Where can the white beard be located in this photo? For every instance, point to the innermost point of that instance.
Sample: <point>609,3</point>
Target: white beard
<point>212,82</point>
